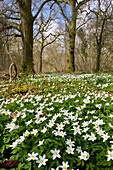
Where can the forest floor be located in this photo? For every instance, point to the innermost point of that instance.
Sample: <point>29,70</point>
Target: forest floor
<point>57,121</point>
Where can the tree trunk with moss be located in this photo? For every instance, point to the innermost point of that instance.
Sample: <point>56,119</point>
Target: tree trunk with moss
<point>71,56</point>
<point>27,35</point>
<point>72,34</point>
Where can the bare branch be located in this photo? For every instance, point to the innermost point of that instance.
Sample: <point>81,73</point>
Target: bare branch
<point>10,26</point>
<point>9,17</point>
<point>40,8</point>
<point>51,41</point>
<point>83,23</point>
<point>81,4</point>
<point>10,35</point>
<point>62,12</point>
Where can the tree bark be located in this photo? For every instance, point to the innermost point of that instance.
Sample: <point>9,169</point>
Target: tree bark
<point>72,34</point>
<point>27,35</point>
<point>99,46</point>
<point>71,57</point>
<point>98,60</point>
<point>40,66</point>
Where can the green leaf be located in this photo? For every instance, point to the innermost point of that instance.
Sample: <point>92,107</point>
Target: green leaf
<point>2,149</point>
<point>6,139</point>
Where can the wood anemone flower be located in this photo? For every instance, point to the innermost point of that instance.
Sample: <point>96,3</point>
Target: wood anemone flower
<point>9,164</point>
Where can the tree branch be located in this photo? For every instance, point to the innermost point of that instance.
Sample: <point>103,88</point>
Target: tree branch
<point>40,8</point>
<point>52,40</point>
<point>9,17</point>
<point>10,26</point>
<point>81,3</point>
<point>62,12</point>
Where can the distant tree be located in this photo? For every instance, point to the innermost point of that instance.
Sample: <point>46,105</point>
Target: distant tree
<point>102,17</point>
<point>44,33</point>
<point>74,6</point>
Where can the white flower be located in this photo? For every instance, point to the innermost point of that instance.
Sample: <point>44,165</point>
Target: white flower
<point>41,142</point>
<point>64,165</point>
<point>105,137</point>
<point>78,149</point>
<point>22,138</point>
<point>66,122</point>
<point>84,155</point>
<point>76,130</point>
<point>70,150</point>
<point>23,115</point>
<point>44,130</point>
<point>11,126</point>
<point>92,112</point>
<point>37,121</point>
<point>41,161</point>
<point>55,169</point>
<point>86,100</point>
<point>14,144</point>
<point>98,105</point>
<point>75,123</point>
<point>85,129</point>
<point>107,104</point>
<point>59,133</point>
<point>55,117</point>
<point>111,125</point>
<point>21,105</point>
<point>86,136</point>
<point>32,156</point>
<point>7,112</point>
<point>100,131</point>
<point>99,122</point>
<point>111,116</point>
<point>62,134</point>
<point>56,133</point>
<point>51,124</point>
<point>34,132</point>
<point>85,124</point>
<point>55,154</point>
<point>26,133</point>
<point>110,155</point>
<point>42,119</point>
<point>60,126</point>
<point>92,137</point>
<point>28,122</point>
<point>69,142</point>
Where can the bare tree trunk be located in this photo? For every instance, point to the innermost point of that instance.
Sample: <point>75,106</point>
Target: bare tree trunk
<point>72,34</point>
<point>40,66</point>
<point>27,35</point>
<point>71,57</point>
<point>98,60</point>
<point>99,46</point>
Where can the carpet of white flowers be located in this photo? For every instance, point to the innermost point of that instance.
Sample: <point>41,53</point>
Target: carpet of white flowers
<point>58,122</point>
